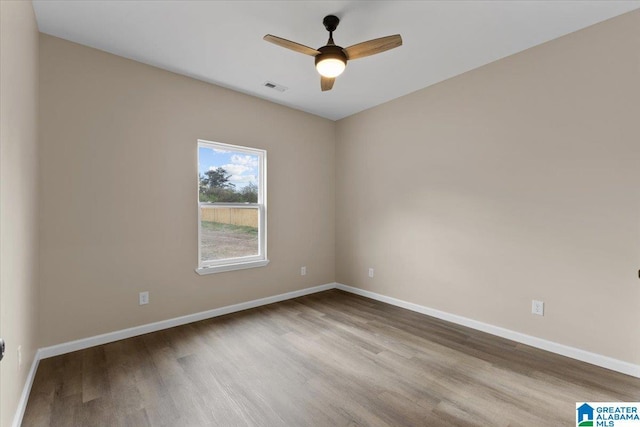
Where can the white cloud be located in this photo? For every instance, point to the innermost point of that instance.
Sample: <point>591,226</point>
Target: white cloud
<point>234,169</point>
<point>250,161</point>
<point>243,179</point>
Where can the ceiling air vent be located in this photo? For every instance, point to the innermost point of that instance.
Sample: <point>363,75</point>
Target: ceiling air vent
<point>274,86</point>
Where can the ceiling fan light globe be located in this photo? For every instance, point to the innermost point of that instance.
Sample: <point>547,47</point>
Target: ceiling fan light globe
<point>330,67</point>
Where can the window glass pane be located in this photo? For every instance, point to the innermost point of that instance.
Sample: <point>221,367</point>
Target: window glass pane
<point>228,232</point>
<point>232,207</point>
<point>228,176</point>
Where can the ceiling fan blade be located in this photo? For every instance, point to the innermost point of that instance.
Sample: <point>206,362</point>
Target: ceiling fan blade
<point>326,83</point>
<point>291,45</point>
<point>372,47</point>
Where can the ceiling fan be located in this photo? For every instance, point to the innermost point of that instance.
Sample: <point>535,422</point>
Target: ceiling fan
<point>331,59</point>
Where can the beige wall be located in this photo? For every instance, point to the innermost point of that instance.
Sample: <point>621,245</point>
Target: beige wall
<point>118,137</point>
<point>18,198</point>
<point>516,181</point>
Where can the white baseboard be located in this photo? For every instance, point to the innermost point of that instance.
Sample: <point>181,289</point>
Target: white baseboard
<point>83,343</point>
<point>564,350</point>
<point>24,397</point>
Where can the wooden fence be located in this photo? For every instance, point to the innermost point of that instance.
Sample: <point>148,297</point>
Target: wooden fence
<point>235,216</point>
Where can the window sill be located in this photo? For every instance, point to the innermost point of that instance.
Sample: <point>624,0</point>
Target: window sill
<point>231,267</point>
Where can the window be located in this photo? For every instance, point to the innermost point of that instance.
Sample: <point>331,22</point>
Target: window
<point>231,207</point>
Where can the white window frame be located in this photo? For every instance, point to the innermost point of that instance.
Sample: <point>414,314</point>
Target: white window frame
<point>230,264</point>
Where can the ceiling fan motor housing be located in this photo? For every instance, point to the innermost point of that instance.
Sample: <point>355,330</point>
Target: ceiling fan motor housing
<point>331,52</point>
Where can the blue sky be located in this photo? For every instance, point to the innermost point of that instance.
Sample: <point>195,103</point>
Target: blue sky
<point>242,167</point>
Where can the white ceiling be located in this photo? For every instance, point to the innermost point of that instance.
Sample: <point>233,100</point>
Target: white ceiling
<point>221,41</point>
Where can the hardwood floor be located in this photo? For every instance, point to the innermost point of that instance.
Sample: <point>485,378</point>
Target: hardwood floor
<point>328,359</point>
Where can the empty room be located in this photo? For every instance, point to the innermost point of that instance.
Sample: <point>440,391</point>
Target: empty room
<point>319,213</point>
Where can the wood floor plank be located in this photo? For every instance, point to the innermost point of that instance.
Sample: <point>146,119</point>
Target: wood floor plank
<point>328,359</point>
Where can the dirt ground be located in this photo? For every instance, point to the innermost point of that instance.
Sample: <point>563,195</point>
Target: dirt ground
<point>220,241</point>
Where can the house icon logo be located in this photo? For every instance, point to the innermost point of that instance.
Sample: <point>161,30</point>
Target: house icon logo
<point>585,415</point>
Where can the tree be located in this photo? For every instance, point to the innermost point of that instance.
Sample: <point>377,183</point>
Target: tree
<point>216,178</point>
<point>216,188</point>
<point>250,193</point>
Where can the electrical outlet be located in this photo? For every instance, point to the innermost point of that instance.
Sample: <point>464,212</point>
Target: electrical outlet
<point>143,298</point>
<point>303,271</point>
<point>19,357</point>
<point>537,307</point>
<point>370,272</point>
